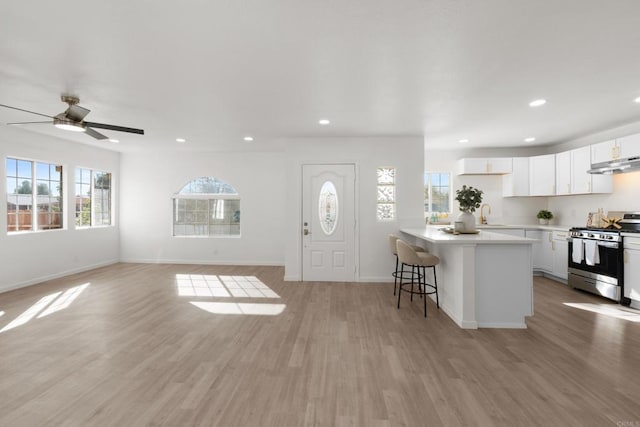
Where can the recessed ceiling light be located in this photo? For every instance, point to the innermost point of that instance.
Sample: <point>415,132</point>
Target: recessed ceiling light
<point>115,141</point>
<point>248,138</point>
<point>181,140</point>
<point>324,122</point>
<point>637,100</point>
<point>463,141</point>
<point>530,139</point>
<point>537,102</point>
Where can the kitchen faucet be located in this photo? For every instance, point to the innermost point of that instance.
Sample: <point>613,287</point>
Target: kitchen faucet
<point>483,219</point>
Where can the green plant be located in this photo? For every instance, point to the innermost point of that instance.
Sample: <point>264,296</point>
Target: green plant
<point>469,198</point>
<point>544,214</point>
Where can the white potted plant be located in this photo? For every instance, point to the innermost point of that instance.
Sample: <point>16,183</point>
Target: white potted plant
<point>469,199</point>
<point>544,216</point>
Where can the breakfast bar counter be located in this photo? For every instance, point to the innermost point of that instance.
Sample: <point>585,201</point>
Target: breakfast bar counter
<point>484,279</point>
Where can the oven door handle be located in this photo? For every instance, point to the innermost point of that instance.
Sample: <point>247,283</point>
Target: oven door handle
<point>609,244</point>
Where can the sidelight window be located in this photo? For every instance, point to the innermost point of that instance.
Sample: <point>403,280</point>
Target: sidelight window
<point>386,194</point>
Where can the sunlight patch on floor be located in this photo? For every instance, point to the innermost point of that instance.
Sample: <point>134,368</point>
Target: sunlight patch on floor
<point>610,310</point>
<point>58,300</point>
<point>204,285</point>
<point>240,308</point>
<point>64,301</point>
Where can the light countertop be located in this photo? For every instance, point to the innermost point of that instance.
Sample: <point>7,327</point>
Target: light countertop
<point>434,234</point>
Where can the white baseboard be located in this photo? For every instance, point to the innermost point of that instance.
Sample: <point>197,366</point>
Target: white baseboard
<point>375,279</point>
<point>199,262</point>
<point>291,279</point>
<point>57,275</point>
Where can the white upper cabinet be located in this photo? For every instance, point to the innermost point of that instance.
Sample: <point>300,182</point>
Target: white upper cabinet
<point>563,173</point>
<point>604,151</point>
<point>517,182</point>
<point>542,175</point>
<point>484,166</point>
<point>621,148</point>
<point>583,182</point>
<point>629,146</point>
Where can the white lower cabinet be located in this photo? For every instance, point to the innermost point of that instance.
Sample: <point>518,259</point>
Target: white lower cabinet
<point>542,255</point>
<point>550,255</point>
<point>632,270</point>
<point>560,254</point>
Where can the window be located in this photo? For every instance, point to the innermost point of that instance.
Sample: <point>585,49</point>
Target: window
<point>437,194</point>
<point>205,207</point>
<point>32,184</point>
<point>93,198</point>
<point>386,208</point>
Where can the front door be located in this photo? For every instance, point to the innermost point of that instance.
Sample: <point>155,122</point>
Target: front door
<point>328,223</point>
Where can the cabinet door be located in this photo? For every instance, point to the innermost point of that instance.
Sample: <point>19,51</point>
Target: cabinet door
<point>629,145</point>
<point>517,182</point>
<point>560,254</point>
<point>563,173</point>
<point>542,175</point>
<point>499,165</point>
<point>484,166</point>
<point>604,151</point>
<point>632,268</point>
<point>580,164</point>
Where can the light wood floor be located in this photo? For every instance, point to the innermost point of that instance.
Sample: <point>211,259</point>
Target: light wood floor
<point>130,351</point>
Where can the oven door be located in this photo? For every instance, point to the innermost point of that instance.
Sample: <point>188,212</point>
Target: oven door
<point>610,260</point>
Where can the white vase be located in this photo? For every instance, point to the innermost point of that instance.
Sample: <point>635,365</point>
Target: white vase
<point>543,221</point>
<point>469,221</point>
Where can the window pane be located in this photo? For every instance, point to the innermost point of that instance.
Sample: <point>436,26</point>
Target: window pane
<point>24,169</point>
<point>205,216</point>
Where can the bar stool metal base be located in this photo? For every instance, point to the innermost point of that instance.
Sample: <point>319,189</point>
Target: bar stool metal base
<point>414,275</point>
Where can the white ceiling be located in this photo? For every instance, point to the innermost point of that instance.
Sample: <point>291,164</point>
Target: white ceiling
<point>213,71</point>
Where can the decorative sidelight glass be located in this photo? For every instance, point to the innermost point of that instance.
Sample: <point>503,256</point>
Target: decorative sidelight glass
<point>328,208</point>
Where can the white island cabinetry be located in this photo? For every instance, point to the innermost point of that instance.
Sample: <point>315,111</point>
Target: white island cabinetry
<point>484,280</point>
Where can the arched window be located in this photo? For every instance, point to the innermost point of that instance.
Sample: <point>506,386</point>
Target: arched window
<point>205,207</point>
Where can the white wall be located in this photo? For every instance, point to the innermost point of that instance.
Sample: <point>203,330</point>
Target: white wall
<point>405,154</point>
<point>150,181</point>
<point>28,258</point>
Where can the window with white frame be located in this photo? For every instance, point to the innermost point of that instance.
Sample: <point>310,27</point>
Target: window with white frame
<point>93,198</point>
<point>34,195</point>
<point>386,194</point>
<point>437,194</point>
<point>206,207</point>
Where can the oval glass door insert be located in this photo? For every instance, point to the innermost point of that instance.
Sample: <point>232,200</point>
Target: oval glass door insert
<point>328,208</point>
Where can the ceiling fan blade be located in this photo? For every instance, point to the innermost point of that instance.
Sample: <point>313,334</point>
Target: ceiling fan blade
<point>113,127</point>
<point>95,134</point>
<point>26,123</point>
<point>76,113</point>
<point>26,111</point>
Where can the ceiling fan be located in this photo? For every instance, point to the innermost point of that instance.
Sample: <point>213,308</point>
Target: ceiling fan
<point>72,119</point>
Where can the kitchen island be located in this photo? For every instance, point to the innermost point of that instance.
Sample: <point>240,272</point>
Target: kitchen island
<point>484,279</point>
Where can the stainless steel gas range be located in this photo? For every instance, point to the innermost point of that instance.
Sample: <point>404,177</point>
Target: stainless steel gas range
<point>596,257</point>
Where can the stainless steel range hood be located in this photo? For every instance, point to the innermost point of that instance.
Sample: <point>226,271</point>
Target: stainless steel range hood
<point>630,164</point>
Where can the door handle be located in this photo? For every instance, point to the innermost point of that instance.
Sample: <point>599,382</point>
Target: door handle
<point>306,232</point>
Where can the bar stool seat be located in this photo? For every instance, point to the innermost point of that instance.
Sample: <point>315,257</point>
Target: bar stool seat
<point>394,250</point>
<point>409,257</point>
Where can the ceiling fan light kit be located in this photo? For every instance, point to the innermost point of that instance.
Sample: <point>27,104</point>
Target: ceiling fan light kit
<point>69,125</point>
<point>72,119</point>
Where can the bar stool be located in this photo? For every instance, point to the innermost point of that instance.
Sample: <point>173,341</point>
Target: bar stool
<point>392,246</point>
<point>417,260</point>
